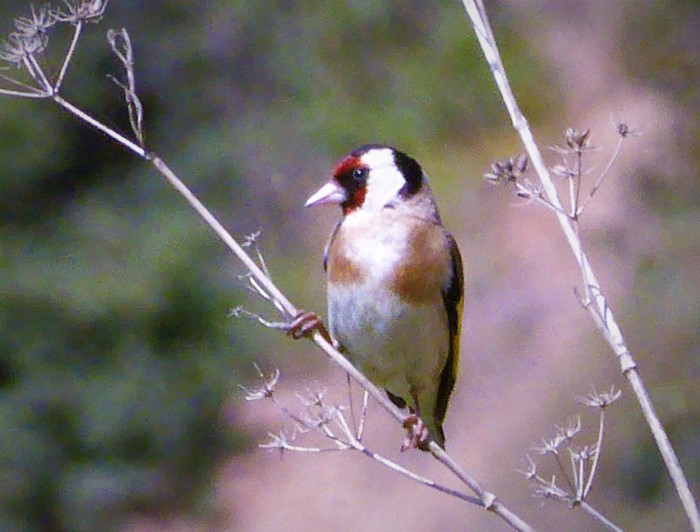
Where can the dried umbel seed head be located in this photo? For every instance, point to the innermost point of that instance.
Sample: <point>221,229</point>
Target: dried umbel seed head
<point>30,37</point>
<point>83,11</point>
<point>508,171</point>
<point>601,400</point>
<point>577,140</point>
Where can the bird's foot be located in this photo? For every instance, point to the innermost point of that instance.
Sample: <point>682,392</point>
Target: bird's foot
<point>304,324</point>
<point>417,436</point>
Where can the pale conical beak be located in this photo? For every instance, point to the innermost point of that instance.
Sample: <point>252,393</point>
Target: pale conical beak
<point>328,193</point>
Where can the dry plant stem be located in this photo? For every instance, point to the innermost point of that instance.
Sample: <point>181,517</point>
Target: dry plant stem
<point>69,55</point>
<point>352,442</point>
<point>365,398</point>
<point>358,446</point>
<point>488,499</point>
<point>20,94</point>
<point>564,473</point>
<point>600,517</point>
<point>594,466</point>
<point>578,473</point>
<point>581,460</point>
<point>601,178</point>
<point>576,186</point>
<point>595,300</point>
<point>222,233</point>
<point>418,478</point>
<point>197,205</point>
<point>365,406</point>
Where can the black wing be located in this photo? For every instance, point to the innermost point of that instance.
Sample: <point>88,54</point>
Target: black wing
<point>453,298</point>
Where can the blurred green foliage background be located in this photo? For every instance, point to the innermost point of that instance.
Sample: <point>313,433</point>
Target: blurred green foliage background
<point>118,362</point>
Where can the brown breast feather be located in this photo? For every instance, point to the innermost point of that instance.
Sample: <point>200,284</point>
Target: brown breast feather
<point>418,279</point>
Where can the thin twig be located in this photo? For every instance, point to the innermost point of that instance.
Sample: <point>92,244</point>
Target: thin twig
<point>276,325</point>
<point>18,94</point>
<point>564,473</point>
<point>34,91</point>
<point>39,74</point>
<point>598,445</point>
<point>296,448</point>
<point>35,75</point>
<point>121,139</point>
<point>572,194</point>
<point>365,405</point>
<point>488,499</point>
<point>121,46</point>
<point>413,476</point>
<point>600,517</point>
<point>347,441</point>
<point>69,55</point>
<point>603,174</point>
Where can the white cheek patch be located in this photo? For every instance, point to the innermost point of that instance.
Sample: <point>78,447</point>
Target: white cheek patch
<point>384,181</point>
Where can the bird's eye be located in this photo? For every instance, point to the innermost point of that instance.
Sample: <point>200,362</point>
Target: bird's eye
<point>359,174</point>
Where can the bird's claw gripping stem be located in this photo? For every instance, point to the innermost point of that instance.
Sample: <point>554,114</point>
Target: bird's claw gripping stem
<point>304,324</point>
<point>417,436</point>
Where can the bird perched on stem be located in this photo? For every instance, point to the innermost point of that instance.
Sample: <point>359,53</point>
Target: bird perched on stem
<point>395,284</point>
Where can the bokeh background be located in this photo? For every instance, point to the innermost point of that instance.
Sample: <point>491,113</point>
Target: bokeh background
<point>119,364</point>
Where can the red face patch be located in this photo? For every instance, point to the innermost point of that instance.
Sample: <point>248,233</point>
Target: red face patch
<point>351,175</point>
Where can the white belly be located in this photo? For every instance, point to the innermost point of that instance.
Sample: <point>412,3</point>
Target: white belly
<point>399,347</point>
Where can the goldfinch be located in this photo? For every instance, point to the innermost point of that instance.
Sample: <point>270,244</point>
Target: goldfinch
<point>395,283</point>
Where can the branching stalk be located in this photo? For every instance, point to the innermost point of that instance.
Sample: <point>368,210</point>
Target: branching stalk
<point>605,320</point>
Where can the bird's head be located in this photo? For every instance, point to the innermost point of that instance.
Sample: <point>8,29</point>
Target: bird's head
<point>374,177</point>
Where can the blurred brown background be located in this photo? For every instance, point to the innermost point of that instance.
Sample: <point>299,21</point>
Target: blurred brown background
<point>120,367</point>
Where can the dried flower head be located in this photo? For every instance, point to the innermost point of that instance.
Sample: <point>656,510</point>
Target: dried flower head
<point>601,399</point>
<point>624,130</point>
<point>282,440</point>
<point>550,445</point>
<point>577,140</point>
<point>508,171</point>
<point>30,37</point>
<point>312,396</point>
<point>563,171</point>
<point>251,239</point>
<point>35,27</point>
<point>82,11</point>
<point>571,429</point>
<point>266,389</point>
<point>584,453</point>
<point>320,418</point>
<point>531,470</point>
<point>12,50</point>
